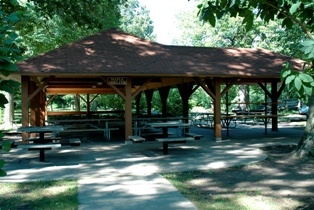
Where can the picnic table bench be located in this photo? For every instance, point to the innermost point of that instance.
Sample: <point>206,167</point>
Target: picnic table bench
<point>194,135</point>
<point>174,140</point>
<point>136,139</point>
<point>47,139</point>
<point>40,147</point>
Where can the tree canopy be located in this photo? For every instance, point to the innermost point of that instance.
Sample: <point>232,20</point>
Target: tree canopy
<point>290,13</point>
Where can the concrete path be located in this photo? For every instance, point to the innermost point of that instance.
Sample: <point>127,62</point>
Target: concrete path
<point>114,175</point>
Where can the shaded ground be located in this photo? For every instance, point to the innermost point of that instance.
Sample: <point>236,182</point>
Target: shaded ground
<point>278,182</point>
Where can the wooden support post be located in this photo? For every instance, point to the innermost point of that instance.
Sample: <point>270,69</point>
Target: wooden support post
<point>274,105</point>
<point>25,106</point>
<point>149,97</point>
<point>217,109</point>
<point>128,109</point>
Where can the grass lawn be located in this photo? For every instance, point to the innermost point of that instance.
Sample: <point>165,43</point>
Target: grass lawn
<point>59,194</point>
<point>277,183</point>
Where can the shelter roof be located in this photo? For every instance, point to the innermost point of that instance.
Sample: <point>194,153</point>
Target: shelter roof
<point>115,53</point>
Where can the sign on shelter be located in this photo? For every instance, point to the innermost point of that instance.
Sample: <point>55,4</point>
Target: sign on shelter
<point>117,81</point>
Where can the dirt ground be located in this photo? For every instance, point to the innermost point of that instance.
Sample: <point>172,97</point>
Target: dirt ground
<point>286,183</point>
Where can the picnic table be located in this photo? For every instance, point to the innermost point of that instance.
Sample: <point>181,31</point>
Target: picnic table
<point>166,125</point>
<point>75,125</point>
<point>42,144</point>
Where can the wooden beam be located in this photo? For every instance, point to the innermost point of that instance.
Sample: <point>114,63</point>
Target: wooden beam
<point>140,89</point>
<point>203,85</point>
<point>62,91</point>
<point>39,88</point>
<point>118,91</point>
<point>227,88</point>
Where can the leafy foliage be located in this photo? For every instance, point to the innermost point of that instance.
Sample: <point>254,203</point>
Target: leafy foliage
<point>100,14</point>
<point>289,12</point>
<point>11,13</point>
<point>300,82</point>
<point>135,20</point>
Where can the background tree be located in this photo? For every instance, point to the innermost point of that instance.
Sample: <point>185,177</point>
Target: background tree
<point>230,32</point>
<point>290,13</point>
<point>135,20</point>
<point>51,24</point>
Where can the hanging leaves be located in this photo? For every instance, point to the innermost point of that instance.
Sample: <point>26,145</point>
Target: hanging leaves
<point>308,48</point>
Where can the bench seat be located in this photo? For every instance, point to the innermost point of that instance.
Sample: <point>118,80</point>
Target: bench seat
<point>194,135</point>
<point>174,140</point>
<point>47,139</point>
<point>75,142</point>
<point>136,139</point>
<point>40,147</point>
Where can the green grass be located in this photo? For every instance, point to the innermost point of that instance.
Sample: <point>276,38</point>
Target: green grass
<point>59,194</point>
<point>227,200</point>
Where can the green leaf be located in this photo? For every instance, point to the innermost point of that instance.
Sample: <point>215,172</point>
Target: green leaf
<point>6,146</point>
<point>9,86</point>
<point>285,73</point>
<point>2,173</point>
<point>281,3</point>
<point>287,22</point>
<point>308,90</point>
<point>294,7</point>
<point>2,163</point>
<point>212,19</point>
<point>289,79</point>
<point>3,100</point>
<point>308,48</point>
<point>298,83</point>
<point>248,20</point>
<point>305,77</point>
<point>308,42</point>
<point>232,3</point>
<point>311,55</point>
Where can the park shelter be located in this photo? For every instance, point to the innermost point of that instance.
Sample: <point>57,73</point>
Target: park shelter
<point>116,62</point>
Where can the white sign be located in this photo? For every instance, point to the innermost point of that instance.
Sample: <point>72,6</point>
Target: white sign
<point>117,81</point>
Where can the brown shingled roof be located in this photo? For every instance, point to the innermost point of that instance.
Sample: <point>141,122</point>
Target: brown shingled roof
<point>117,53</point>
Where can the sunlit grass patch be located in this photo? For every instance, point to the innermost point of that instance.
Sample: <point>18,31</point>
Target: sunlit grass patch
<point>226,198</point>
<point>58,194</point>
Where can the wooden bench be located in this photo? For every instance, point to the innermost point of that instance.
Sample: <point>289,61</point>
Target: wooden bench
<point>75,142</point>
<point>175,140</point>
<point>40,147</point>
<point>194,135</point>
<point>136,139</point>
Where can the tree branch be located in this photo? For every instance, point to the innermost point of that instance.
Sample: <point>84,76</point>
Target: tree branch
<point>288,15</point>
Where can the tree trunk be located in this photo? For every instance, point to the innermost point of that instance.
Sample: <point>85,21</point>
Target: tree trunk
<point>8,111</point>
<point>243,97</point>
<point>306,144</point>
<point>77,103</point>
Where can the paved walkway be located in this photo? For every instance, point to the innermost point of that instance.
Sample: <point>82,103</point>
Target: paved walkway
<point>114,175</point>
